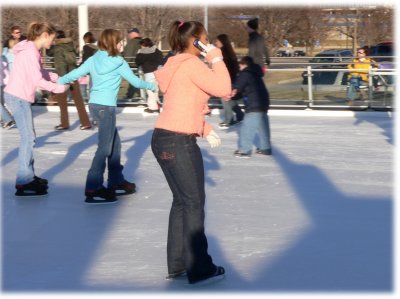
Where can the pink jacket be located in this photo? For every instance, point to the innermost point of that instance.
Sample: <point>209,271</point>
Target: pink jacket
<point>187,84</point>
<point>27,73</point>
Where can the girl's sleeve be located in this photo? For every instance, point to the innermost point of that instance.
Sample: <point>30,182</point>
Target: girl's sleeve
<point>215,81</point>
<point>126,72</point>
<point>75,74</point>
<point>35,69</point>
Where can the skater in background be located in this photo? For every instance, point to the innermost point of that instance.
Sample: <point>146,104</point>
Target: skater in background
<point>7,121</point>
<point>222,41</point>
<point>187,84</point>
<point>258,50</point>
<point>88,50</point>
<point>129,53</point>
<point>149,58</point>
<point>358,74</point>
<point>26,76</point>
<point>106,67</point>
<point>256,101</point>
<point>64,62</point>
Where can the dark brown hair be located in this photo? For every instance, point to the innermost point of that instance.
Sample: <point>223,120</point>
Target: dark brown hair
<point>13,28</point>
<point>36,29</point>
<point>180,32</point>
<point>109,40</point>
<point>88,37</point>
<point>229,55</point>
<point>146,42</point>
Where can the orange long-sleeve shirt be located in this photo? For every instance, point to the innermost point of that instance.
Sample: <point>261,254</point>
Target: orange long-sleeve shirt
<point>187,84</point>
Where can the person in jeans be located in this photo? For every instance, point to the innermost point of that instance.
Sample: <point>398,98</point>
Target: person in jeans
<point>106,67</point>
<point>25,77</point>
<point>7,120</point>
<point>223,42</point>
<point>256,100</point>
<point>187,84</point>
<point>358,74</point>
<point>149,58</point>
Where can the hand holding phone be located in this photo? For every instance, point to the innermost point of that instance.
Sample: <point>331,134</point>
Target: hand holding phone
<point>199,45</point>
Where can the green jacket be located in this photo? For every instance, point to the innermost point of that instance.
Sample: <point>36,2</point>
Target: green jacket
<point>131,48</point>
<point>64,56</point>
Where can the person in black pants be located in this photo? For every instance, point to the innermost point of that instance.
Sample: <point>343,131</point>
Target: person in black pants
<point>230,105</point>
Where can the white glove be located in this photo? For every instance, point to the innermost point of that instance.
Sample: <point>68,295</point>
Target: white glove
<point>208,48</point>
<point>213,139</point>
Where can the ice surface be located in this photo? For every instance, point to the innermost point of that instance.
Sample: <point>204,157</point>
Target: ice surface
<point>316,216</point>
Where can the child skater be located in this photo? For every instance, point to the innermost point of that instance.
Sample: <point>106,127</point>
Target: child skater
<point>256,100</point>
<point>106,67</point>
<point>187,84</point>
<point>25,77</point>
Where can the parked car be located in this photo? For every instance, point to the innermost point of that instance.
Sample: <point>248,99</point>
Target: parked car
<point>382,49</point>
<point>333,56</point>
<point>299,53</point>
<point>283,53</point>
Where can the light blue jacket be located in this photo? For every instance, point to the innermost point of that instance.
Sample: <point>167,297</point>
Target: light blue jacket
<point>106,72</point>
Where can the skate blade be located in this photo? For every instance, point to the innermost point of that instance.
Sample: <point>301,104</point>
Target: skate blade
<point>99,201</point>
<point>30,195</point>
<point>123,192</point>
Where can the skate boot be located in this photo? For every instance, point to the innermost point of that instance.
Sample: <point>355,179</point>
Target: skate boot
<point>218,274</point>
<point>124,188</point>
<point>100,196</point>
<point>34,188</point>
<point>40,180</point>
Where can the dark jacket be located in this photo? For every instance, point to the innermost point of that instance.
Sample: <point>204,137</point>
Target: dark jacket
<point>257,49</point>
<point>64,56</point>
<point>131,48</point>
<point>251,84</point>
<point>87,51</point>
<point>149,59</point>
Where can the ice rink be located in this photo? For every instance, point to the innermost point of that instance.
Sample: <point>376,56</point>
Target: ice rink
<point>316,216</point>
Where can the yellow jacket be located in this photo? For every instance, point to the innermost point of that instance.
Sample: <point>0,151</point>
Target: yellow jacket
<point>361,66</point>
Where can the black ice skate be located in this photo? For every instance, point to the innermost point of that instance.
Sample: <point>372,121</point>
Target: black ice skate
<point>124,188</point>
<point>40,180</point>
<point>100,196</point>
<point>207,279</point>
<point>34,188</point>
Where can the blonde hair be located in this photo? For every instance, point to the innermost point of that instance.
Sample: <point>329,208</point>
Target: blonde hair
<point>36,29</point>
<point>109,40</point>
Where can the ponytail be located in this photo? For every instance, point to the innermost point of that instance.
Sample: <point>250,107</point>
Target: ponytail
<point>36,29</point>
<point>180,32</point>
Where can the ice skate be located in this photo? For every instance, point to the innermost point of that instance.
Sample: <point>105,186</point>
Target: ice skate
<point>100,196</point>
<point>124,188</point>
<point>218,275</point>
<point>34,188</point>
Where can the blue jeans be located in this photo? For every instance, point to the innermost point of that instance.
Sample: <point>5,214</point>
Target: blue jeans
<point>108,149</point>
<point>182,164</point>
<point>354,87</point>
<point>253,122</point>
<point>230,107</point>
<point>5,115</point>
<point>22,112</point>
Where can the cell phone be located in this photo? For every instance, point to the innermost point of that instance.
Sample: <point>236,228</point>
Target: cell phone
<point>199,45</point>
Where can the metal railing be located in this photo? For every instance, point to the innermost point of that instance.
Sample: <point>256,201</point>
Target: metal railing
<point>304,96</point>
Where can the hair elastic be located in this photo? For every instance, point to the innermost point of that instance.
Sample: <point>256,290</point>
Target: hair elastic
<point>180,24</point>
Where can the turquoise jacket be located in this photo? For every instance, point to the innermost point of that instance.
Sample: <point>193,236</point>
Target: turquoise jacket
<point>106,72</point>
